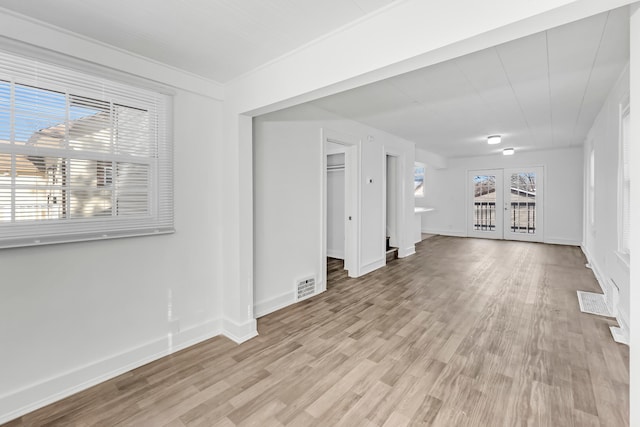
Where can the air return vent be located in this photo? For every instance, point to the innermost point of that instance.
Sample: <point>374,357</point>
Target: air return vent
<point>305,287</point>
<point>593,303</point>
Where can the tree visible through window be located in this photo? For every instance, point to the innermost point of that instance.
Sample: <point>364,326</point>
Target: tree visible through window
<point>65,151</point>
<point>79,156</point>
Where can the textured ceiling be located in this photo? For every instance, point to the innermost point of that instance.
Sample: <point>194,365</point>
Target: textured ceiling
<point>540,92</point>
<point>217,39</point>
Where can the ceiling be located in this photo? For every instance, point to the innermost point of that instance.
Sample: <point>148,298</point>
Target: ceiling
<point>216,39</point>
<point>539,92</point>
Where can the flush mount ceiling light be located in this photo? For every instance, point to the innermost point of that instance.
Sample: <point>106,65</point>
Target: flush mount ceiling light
<point>508,151</point>
<point>494,139</point>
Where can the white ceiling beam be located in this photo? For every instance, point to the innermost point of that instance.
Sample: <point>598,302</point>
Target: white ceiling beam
<point>410,35</point>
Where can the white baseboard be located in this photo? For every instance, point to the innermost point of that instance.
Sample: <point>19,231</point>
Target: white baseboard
<point>405,252</point>
<point>239,332</point>
<point>335,254</point>
<point>561,241</point>
<point>273,304</point>
<point>36,396</point>
<point>372,266</point>
<point>620,334</point>
<point>452,233</point>
<point>593,265</point>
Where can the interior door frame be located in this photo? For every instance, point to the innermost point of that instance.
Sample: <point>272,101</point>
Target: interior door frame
<point>400,222</point>
<point>352,151</point>
<point>503,187</point>
<point>498,232</point>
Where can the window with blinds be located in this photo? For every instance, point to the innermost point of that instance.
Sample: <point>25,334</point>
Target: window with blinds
<point>81,157</point>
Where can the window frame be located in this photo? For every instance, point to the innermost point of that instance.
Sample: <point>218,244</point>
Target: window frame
<point>158,218</point>
<point>592,188</point>
<point>416,166</point>
<point>624,182</point>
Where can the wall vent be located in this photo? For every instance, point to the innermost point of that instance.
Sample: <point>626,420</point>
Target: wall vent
<point>305,288</point>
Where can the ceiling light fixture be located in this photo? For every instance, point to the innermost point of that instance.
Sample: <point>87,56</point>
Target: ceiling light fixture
<point>508,151</point>
<point>494,139</point>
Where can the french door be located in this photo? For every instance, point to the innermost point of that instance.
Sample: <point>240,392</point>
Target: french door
<point>506,204</point>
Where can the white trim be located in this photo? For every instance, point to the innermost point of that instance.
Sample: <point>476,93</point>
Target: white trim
<point>41,394</point>
<point>351,257</point>
<point>372,266</point>
<point>620,335</point>
<point>281,301</point>
<point>562,241</point>
<point>270,305</point>
<point>408,251</point>
<point>237,332</point>
<point>401,203</point>
<point>624,112</point>
<point>452,233</point>
<point>593,265</point>
<point>622,317</point>
<point>27,36</point>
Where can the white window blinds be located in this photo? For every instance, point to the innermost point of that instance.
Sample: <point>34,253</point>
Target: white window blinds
<point>81,157</point>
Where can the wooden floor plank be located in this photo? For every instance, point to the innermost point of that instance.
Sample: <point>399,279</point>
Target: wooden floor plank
<point>467,332</point>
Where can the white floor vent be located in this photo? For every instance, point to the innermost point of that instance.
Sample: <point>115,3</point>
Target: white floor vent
<point>306,288</point>
<point>593,304</point>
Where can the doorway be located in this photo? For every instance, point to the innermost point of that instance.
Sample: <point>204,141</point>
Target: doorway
<point>506,204</point>
<point>392,205</point>
<point>336,201</point>
<point>340,208</point>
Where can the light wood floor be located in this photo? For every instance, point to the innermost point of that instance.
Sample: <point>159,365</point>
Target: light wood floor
<point>466,332</point>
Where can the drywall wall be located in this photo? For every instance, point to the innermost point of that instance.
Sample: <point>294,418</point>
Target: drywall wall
<point>601,233</point>
<point>446,191</point>
<point>75,314</point>
<point>383,44</point>
<point>288,199</point>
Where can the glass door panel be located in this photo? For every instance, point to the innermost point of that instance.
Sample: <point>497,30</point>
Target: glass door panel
<point>523,204</point>
<point>505,204</point>
<point>486,204</point>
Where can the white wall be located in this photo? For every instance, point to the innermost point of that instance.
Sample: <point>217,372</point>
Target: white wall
<point>74,314</point>
<point>404,37</point>
<point>446,191</point>
<point>406,42</point>
<point>634,351</point>
<point>601,238</point>
<point>288,199</point>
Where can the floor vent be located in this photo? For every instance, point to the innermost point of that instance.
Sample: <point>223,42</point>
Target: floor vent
<point>593,304</point>
<point>306,288</point>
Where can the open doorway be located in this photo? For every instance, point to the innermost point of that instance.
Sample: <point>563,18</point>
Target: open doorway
<point>392,203</point>
<point>336,202</point>
<point>340,207</point>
